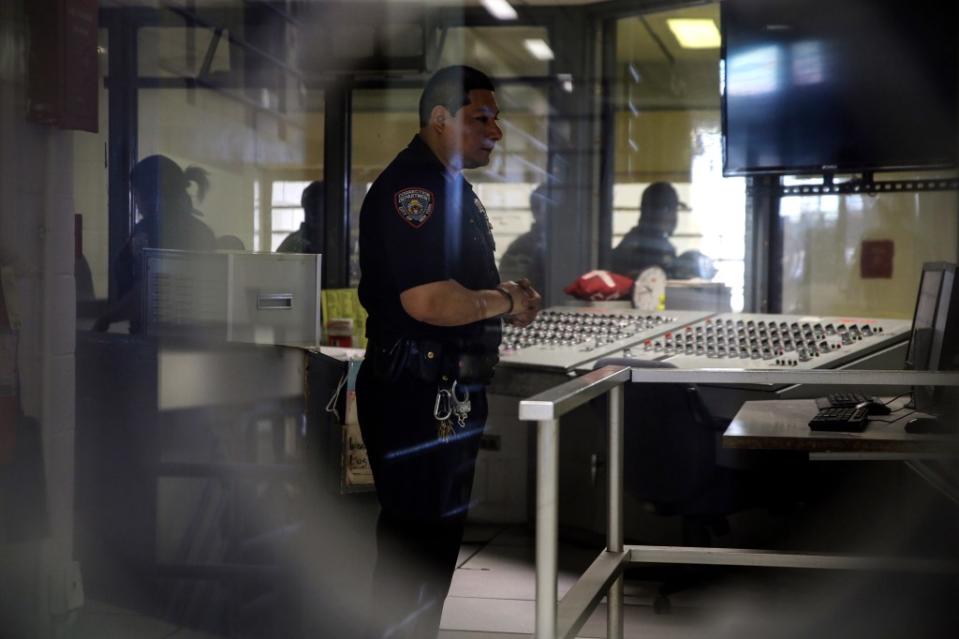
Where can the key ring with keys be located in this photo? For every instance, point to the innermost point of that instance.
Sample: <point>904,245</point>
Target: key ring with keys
<point>443,407</point>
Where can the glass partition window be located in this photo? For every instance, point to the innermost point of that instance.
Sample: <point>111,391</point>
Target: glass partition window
<point>502,52</point>
<point>287,213</point>
<point>667,125</point>
<point>518,166</point>
<point>249,121</point>
<point>384,121</point>
<point>862,254</point>
<point>516,169</point>
<point>180,51</point>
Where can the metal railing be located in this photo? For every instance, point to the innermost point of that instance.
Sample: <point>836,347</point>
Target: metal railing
<point>563,619</point>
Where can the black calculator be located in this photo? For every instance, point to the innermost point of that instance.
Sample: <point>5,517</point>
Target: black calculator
<point>840,419</point>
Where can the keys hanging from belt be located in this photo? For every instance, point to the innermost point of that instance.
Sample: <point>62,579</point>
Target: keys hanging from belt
<point>452,402</point>
<point>442,411</point>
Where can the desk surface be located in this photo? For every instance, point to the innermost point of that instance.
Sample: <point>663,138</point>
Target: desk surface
<point>784,425</point>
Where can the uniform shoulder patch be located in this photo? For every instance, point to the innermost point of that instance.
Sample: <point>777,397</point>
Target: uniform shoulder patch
<point>414,205</point>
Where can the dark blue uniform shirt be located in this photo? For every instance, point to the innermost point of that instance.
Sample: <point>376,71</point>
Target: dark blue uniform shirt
<point>420,224</point>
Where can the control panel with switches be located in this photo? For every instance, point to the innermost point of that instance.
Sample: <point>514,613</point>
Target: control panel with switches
<point>748,340</point>
<point>563,337</point>
<point>567,338</point>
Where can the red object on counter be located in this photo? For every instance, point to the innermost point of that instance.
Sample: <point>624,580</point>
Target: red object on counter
<point>600,285</point>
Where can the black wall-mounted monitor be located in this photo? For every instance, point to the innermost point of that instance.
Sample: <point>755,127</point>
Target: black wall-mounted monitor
<point>820,86</point>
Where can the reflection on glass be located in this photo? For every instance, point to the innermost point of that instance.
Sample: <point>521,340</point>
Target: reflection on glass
<point>538,49</point>
<point>807,63</point>
<point>668,130</point>
<point>823,242</point>
<point>757,71</point>
<point>695,33</point>
<point>500,51</point>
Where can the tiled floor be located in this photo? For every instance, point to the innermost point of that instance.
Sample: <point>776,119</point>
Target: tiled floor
<point>494,585</point>
<point>492,597</point>
<point>492,594</point>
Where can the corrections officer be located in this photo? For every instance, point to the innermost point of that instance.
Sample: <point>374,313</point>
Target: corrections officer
<point>435,302</point>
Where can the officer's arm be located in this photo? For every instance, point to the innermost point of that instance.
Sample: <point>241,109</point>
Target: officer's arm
<point>449,303</point>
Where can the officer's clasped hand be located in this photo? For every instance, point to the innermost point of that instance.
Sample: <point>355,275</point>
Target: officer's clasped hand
<point>516,294</point>
<point>526,305</point>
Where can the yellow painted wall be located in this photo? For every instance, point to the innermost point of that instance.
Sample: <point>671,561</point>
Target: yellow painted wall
<point>663,143</point>
<point>822,250</point>
<point>379,136</point>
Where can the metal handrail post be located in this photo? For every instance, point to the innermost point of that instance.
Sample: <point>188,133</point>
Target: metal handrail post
<point>547,526</point>
<point>546,409</point>
<point>614,524</point>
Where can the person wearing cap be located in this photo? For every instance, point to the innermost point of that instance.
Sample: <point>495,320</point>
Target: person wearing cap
<point>647,244</point>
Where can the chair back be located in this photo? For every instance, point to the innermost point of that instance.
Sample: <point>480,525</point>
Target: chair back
<point>669,441</point>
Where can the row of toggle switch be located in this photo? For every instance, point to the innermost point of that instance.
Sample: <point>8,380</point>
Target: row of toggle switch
<point>774,340</point>
<point>785,343</point>
<point>587,330</point>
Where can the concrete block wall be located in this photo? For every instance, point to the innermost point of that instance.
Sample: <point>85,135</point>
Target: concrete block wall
<point>36,240</point>
<point>90,194</point>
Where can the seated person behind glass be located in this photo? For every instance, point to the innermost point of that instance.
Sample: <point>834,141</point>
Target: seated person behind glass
<point>524,256</point>
<point>309,237</point>
<point>167,220</point>
<point>647,244</point>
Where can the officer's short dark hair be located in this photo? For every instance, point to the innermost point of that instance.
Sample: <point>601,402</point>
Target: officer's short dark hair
<point>449,87</point>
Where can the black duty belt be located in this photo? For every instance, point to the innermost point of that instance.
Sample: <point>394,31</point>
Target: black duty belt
<point>431,361</point>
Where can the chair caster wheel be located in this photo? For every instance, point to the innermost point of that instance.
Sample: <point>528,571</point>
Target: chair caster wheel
<point>661,605</point>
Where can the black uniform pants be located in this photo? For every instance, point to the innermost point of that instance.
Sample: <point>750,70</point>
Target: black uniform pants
<point>423,485</point>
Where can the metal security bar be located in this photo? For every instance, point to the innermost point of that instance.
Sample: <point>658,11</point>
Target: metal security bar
<point>563,619</point>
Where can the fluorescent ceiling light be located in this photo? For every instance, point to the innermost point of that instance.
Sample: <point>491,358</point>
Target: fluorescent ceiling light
<point>695,34</point>
<point>539,49</point>
<point>500,9</point>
